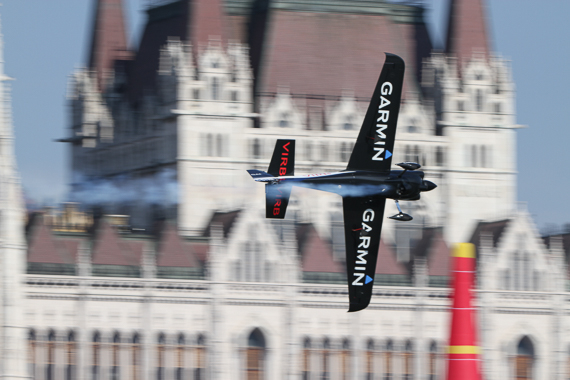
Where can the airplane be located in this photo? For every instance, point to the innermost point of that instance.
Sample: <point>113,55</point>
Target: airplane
<point>364,186</point>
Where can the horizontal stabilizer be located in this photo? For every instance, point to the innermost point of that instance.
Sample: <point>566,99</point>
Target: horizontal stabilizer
<point>260,175</point>
<point>276,200</point>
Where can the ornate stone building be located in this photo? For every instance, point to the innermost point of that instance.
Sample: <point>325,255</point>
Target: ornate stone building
<point>197,284</point>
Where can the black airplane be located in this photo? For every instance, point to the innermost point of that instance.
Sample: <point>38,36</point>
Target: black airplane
<point>364,185</point>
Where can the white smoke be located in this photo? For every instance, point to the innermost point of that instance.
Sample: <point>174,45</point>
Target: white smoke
<point>160,188</point>
<point>348,190</point>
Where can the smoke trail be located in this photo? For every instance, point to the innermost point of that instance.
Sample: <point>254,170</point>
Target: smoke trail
<point>161,189</point>
<point>352,190</point>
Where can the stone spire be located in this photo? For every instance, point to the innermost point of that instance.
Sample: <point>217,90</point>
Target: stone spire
<point>12,245</point>
<point>467,31</point>
<point>109,39</point>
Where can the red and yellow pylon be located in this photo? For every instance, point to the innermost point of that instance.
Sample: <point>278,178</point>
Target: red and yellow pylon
<point>463,354</point>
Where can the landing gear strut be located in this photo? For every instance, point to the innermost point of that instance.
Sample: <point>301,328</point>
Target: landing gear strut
<point>400,215</point>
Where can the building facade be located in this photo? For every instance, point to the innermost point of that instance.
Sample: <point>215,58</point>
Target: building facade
<point>196,284</point>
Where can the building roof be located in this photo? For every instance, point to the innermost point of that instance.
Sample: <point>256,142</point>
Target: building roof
<point>173,250</point>
<point>467,29</point>
<point>225,219</point>
<point>44,248</point>
<point>433,247</point>
<point>327,51</point>
<point>110,249</point>
<point>316,254</point>
<point>108,39</point>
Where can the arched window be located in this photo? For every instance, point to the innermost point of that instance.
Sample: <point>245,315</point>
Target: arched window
<point>344,151</point>
<point>255,355</point>
<point>324,151</point>
<point>160,348</point>
<point>348,124</point>
<point>388,357</point>
<point>256,149</point>
<point>71,350</point>
<point>32,344</point>
<point>115,357</point>
<point>180,353</point>
<point>215,88</point>
<point>284,120</point>
<point>474,161</point>
<point>50,360</point>
<point>209,145</point>
<point>432,361</point>
<point>306,360</point>
<point>96,355</point>
<point>408,361</point>
<point>345,360</point>
<point>439,158</point>
<point>135,357</point>
<point>325,360</point>
<point>479,100</point>
<point>369,361</point>
<point>524,360</point>
<point>200,367</point>
<point>219,146</point>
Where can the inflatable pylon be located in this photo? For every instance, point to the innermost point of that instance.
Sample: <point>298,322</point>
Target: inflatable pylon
<point>463,354</point>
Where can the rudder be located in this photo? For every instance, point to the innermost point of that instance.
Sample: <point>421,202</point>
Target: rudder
<point>283,159</point>
<point>276,200</point>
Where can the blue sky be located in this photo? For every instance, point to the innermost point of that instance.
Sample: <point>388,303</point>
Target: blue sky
<point>46,40</point>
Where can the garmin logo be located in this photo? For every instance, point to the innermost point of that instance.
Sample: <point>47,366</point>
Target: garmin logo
<point>382,124</point>
<point>360,277</point>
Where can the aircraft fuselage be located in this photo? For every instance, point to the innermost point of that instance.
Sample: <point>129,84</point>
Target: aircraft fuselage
<point>397,184</point>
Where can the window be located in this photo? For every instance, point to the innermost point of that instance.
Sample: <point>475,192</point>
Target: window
<point>71,350</point>
<point>408,361</point>
<point>160,348</point>
<point>388,357</point>
<point>306,360</point>
<point>524,359</point>
<point>369,361</point>
<point>196,94</point>
<point>32,344</point>
<point>256,149</point>
<point>325,360</point>
<point>479,100</point>
<point>180,351</point>
<point>255,355</point>
<point>483,156</point>
<point>432,361</point>
<point>497,107</point>
<point>215,88</point>
<point>96,355</point>
<point>219,146</point>
<point>115,357</point>
<point>439,157</point>
<point>200,360</point>
<point>324,152</point>
<point>474,156</point>
<point>50,360</point>
<point>284,120</point>
<point>234,96</point>
<point>348,124</point>
<point>345,360</point>
<point>344,151</point>
<point>135,358</point>
<point>461,105</point>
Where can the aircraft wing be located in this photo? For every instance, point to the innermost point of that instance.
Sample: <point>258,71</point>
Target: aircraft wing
<point>375,143</point>
<point>362,226</point>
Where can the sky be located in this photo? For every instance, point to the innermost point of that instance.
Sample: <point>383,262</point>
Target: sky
<point>45,41</point>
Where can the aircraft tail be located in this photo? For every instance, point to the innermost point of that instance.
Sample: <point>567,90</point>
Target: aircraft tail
<point>283,159</point>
